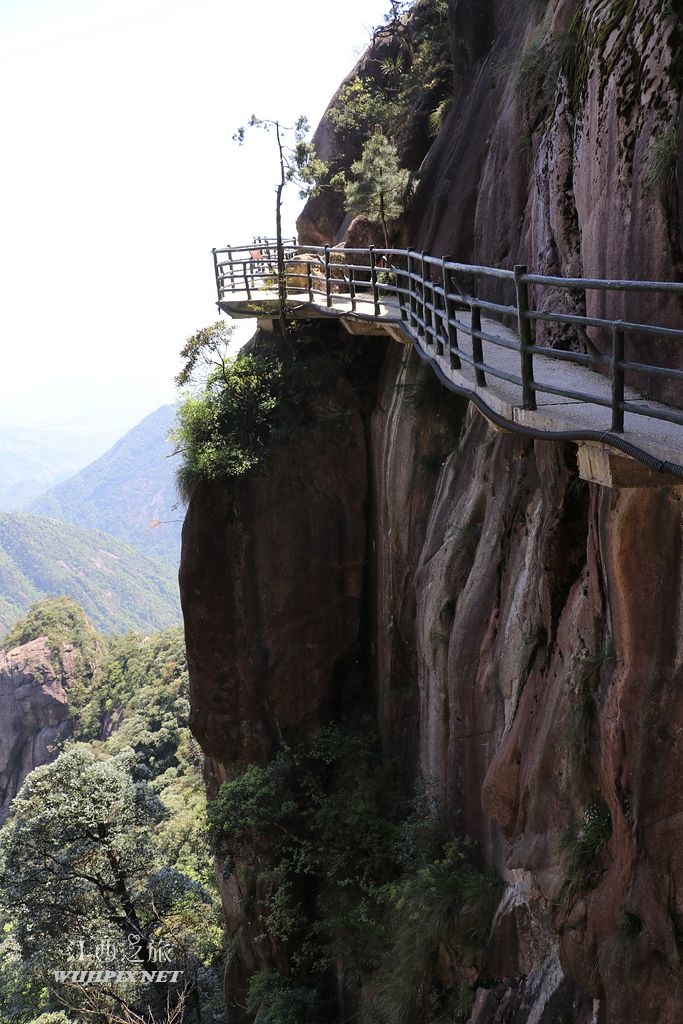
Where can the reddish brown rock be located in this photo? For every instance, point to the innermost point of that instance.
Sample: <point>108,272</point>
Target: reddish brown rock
<point>524,575</point>
<point>272,577</point>
<point>271,583</point>
<point>35,714</point>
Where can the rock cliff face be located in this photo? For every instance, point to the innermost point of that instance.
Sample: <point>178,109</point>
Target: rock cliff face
<point>272,582</point>
<point>560,149</point>
<point>520,630</point>
<point>518,583</point>
<point>35,714</point>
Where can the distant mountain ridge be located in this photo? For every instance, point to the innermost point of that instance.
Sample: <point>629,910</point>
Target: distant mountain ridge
<point>32,459</point>
<point>128,492</point>
<point>119,587</point>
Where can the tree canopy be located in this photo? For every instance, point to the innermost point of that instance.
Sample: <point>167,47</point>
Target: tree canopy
<point>83,870</point>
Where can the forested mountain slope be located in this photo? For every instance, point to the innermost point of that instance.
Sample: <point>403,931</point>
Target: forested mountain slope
<point>119,587</point>
<point>128,492</point>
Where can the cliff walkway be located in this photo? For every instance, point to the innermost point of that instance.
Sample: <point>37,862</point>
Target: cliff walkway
<point>537,355</point>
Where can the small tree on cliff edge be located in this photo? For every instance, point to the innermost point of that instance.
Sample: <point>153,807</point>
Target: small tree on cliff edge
<point>381,186</point>
<point>297,163</point>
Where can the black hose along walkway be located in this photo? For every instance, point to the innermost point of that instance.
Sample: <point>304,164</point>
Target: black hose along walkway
<point>435,303</point>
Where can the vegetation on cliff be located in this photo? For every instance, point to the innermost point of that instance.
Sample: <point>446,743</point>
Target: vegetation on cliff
<point>239,409</point>
<point>407,99</point>
<point>223,429</point>
<point>355,877</point>
<point>390,110</point>
<point>380,188</point>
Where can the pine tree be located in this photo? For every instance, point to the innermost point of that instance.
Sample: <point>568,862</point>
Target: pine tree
<point>380,189</point>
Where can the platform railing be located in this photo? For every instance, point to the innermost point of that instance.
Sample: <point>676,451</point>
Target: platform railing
<point>427,294</point>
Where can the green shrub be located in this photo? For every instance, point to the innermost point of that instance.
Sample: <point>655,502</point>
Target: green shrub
<point>240,408</point>
<point>439,114</point>
<point>417,80</point>
<point>253,803</point>
<point>351,871</point>
<point>582,851</point>
<point>222,431</point>
<point>279,1000</point>
<point>583,706</point>
<point>448,901</point>
<point>661,167</point>
<point>58,1017</point>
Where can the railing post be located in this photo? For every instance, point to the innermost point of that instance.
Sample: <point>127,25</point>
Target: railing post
<point>435,316</point>
<point>617,378</point>
<point>524,330</point>
<point>423,290</point>
<point>439,316</point>
<point>328,280</point>
<point>477,347</point>
<point>412,298</point>
<point>400,283</point>
<point>215,270</point>
<point>352,289</point>
<point>232,269</point>
<point>309,281</point>
<point>246,279</point>
<point>373,280</point>
<point>451,329</point>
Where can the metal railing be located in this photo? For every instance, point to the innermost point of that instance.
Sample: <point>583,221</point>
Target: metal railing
<point>427,295</point>
<point>245,268</point>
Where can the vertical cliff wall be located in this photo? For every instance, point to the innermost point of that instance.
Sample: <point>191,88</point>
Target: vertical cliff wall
<point>517,630</point>
<point>542,615</point>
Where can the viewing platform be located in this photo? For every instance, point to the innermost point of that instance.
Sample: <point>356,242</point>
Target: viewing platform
<point>484,338</point>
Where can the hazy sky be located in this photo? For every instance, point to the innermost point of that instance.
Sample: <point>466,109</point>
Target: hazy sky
<point>119,174</point>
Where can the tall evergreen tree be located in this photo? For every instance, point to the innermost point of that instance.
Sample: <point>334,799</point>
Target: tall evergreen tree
<point>380,189</point>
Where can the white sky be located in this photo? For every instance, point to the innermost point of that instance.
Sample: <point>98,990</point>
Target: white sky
<point>118,175</point>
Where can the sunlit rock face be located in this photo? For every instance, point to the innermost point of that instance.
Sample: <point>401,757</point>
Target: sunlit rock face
<point>552,154</point>
<point>560,151</point>
<point>35,714</point>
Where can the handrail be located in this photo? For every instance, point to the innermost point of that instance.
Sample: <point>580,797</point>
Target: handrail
<point>425,294</point>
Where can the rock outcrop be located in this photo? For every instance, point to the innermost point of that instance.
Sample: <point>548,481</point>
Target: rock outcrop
<point>35,714</point>
<point>272,582</point>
